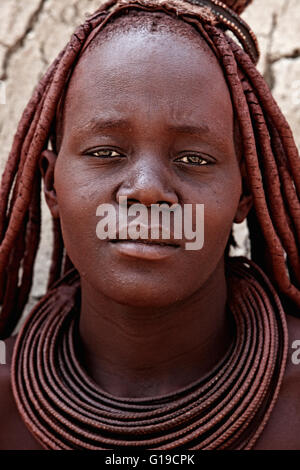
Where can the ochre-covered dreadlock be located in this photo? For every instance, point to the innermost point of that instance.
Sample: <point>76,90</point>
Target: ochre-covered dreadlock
<point>272,162</point>
<point>228,408</point>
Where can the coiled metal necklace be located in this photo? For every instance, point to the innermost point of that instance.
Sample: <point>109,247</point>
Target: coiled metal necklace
<point>227,409</point>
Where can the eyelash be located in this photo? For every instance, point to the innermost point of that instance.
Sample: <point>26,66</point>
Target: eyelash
<point>205,162</point>
<point>118,155</point>
<point>105,156</point>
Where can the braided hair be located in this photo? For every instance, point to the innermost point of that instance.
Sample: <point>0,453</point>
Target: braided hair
<point>269,151</point>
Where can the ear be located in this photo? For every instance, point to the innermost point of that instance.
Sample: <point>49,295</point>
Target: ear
<point>246,200</point>
<point>46,164</point>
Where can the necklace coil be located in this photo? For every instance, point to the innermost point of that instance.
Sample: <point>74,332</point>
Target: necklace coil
<point>228,408</point>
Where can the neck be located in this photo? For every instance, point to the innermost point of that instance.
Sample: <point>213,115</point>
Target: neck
<point>135,352</point>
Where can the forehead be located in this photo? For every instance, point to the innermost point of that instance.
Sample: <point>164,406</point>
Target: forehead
<point>163,76</point>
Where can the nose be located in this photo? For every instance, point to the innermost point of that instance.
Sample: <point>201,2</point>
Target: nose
<point>148,182</point>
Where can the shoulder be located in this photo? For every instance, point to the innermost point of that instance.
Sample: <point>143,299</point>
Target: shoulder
<point>292,372</point>
<point>13,433</point>
<point>294,333</point>
<point>6,350</point>
<point>282,431</point>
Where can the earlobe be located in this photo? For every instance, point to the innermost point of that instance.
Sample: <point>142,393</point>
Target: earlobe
<point>246,199</point>
<point>244,207</point>
<point>47,164</point>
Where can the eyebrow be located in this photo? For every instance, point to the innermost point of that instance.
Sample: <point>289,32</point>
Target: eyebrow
<point>98,125</point>
<point>201,129</point>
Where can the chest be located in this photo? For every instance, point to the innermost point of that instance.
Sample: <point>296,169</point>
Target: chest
<point>282,431</point>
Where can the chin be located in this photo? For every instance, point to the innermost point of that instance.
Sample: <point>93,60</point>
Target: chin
<point>143,294</point>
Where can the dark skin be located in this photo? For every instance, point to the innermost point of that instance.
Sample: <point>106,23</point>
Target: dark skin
<point>150,326</point>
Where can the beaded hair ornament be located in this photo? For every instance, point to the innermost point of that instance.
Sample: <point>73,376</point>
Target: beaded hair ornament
<point>231,20</point>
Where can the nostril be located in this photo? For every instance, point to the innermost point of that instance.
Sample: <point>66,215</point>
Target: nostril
<point>164,202</point>
<point>146,194</point>
<point>132,201</point>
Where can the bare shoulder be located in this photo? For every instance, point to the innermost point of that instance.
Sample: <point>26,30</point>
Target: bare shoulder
<point>13,432</point>
<point>292,373</point>
<point>282,431</point>
<point>6,348</point>
<point>293,327</point>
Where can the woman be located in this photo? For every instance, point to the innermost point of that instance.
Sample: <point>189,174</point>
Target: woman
<point>143,343</point>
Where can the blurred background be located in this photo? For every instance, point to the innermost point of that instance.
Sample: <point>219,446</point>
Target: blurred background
<point>33,32</point>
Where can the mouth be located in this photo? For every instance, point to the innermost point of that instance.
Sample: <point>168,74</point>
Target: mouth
<point>145,248</point>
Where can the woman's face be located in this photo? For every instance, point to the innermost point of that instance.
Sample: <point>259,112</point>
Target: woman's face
<point>138,108</point>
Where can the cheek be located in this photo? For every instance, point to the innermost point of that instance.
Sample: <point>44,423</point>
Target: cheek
<point>79,193</point>
<point>220,197</point>
<point>221,210</point>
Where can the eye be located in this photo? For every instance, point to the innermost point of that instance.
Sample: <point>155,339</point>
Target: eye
<point>192,159</point>
<point>105,153</point>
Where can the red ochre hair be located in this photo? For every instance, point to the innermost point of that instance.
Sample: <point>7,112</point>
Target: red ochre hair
<point>269,151</point>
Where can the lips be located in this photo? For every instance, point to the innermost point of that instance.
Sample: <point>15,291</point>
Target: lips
<point>145,248</point>
<point>148,241</point>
